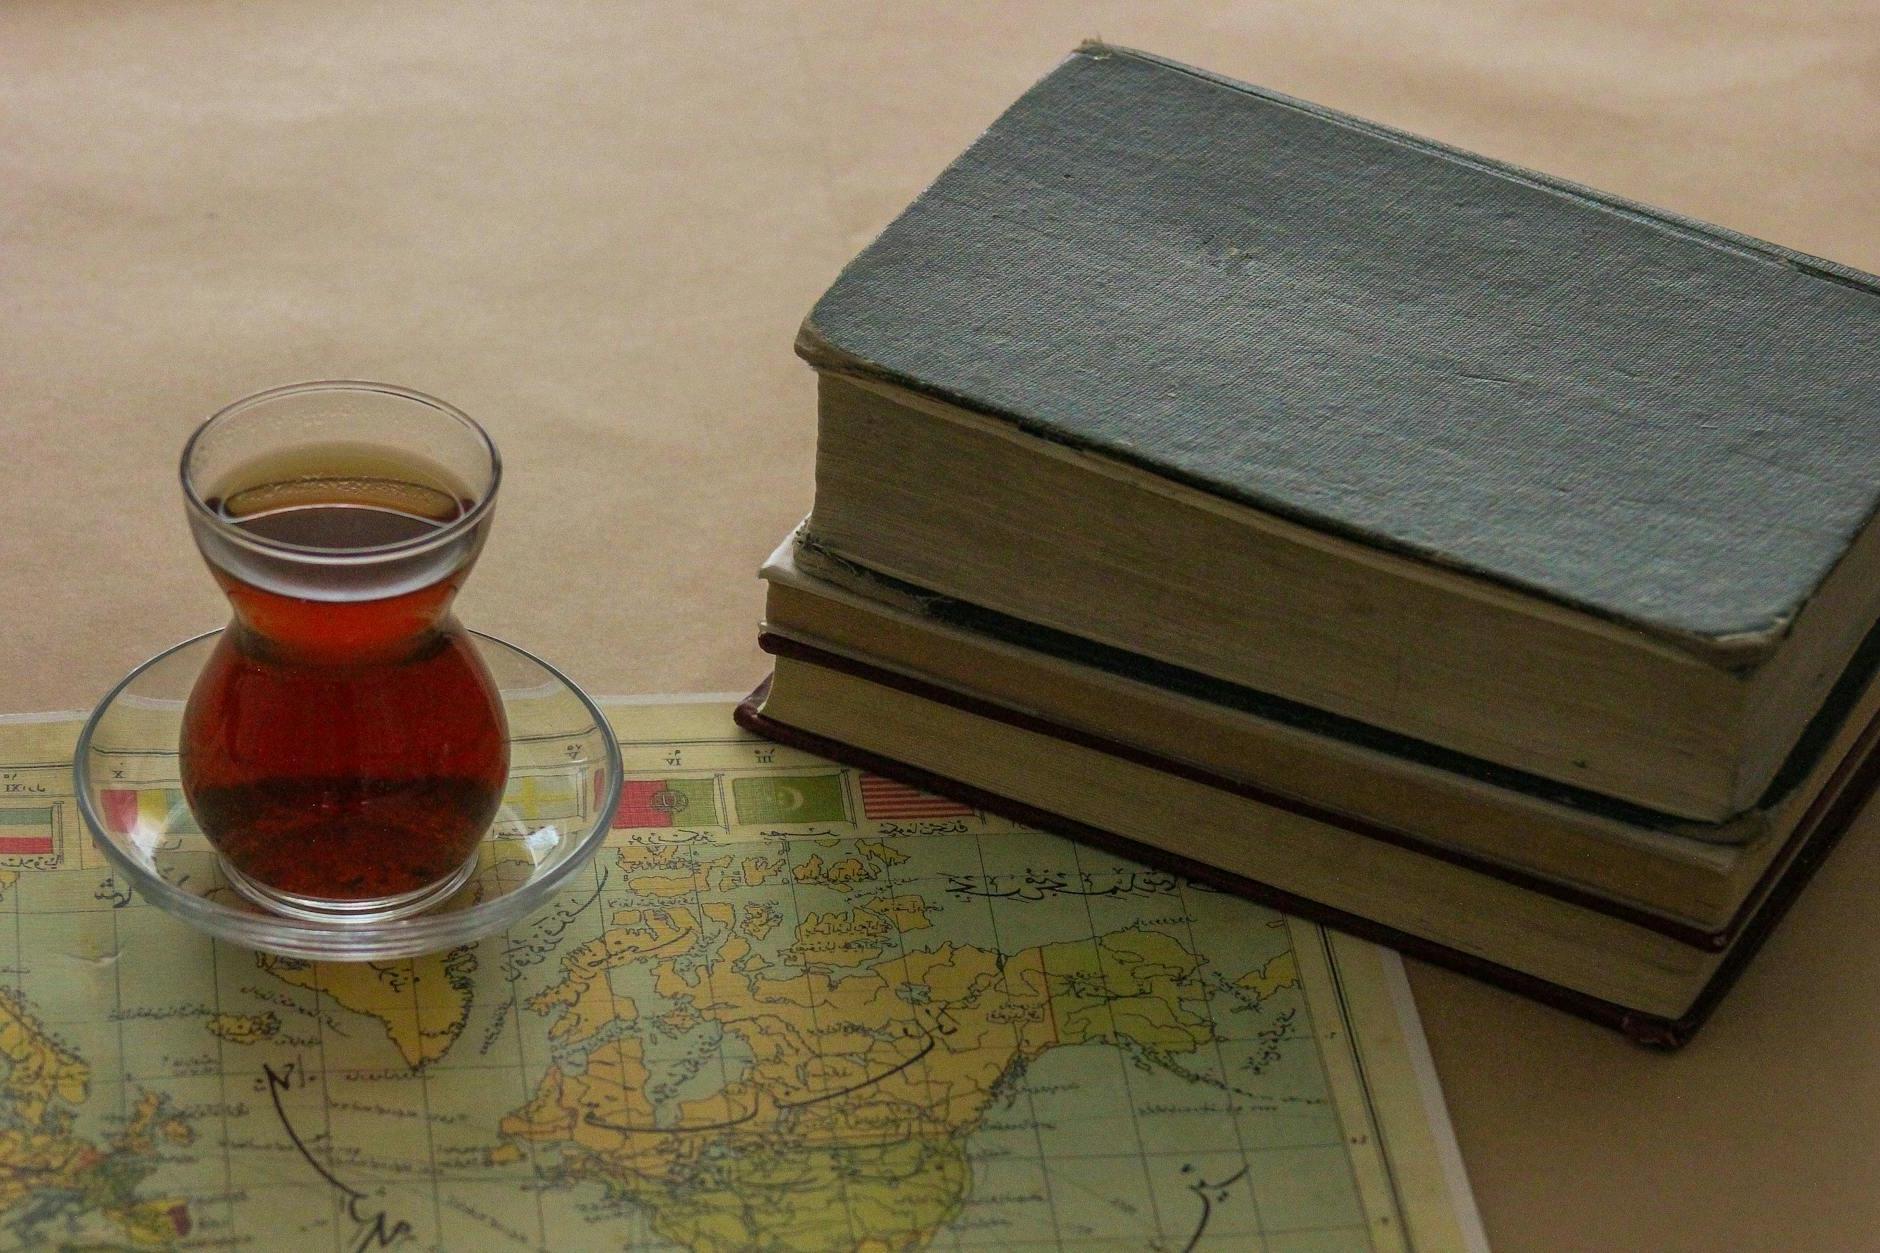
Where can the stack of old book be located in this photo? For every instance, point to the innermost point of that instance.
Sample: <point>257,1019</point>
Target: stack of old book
<point>1462,557</point>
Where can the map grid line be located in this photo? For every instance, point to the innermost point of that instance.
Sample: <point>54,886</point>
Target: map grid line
<point>1031,1103</point>
<point>1229,1095</point>
<point>1122,1057</point>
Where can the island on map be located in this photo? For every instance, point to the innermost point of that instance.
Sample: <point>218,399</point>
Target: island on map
<point>422,1003</point>
<point>245,1028</point>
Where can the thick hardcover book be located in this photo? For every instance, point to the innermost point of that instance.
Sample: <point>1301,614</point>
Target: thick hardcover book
<point>1626,865</point>
<point>1820,830</point>
<point>1592,482</point>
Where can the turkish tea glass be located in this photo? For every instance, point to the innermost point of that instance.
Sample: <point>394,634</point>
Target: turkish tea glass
<point>344,749</point>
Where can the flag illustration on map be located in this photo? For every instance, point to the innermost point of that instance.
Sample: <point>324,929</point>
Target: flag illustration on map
<point>790,798</point>
<point>26,832</point>
<point>891,800</point>
<point>667,803</point>
<point>539,797</point>
<point>153,808</point>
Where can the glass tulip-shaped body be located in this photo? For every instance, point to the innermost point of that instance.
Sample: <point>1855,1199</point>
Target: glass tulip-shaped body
<point>345,749</point>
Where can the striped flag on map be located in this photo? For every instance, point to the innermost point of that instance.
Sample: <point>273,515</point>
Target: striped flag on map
<point>667,803</point>
<point>26,831</point>
<point>890,799</point>
<point>155,808</point>
<point>790,798</point>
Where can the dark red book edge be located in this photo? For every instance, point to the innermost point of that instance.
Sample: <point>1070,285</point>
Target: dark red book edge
<point>1819,832</point>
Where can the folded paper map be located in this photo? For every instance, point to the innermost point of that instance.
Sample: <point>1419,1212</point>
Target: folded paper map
<point>789,1006</point>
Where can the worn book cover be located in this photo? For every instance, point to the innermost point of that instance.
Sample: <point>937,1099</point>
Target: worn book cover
<point>1651,420</point>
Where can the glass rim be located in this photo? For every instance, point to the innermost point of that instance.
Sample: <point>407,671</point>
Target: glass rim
<point>470,519</point>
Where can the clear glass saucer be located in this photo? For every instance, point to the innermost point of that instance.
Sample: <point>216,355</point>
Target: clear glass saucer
<point>564,785</point>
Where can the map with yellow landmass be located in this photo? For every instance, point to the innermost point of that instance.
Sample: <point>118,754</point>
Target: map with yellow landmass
<point>245,1028</point>
<point>783,1027</point>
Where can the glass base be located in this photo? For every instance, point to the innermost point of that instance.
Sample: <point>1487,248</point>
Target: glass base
<point>371,910</point>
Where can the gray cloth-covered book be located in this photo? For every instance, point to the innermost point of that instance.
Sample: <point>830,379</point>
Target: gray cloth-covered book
<point>1292,400</point>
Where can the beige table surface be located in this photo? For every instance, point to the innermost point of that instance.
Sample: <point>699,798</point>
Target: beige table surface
<point>595,227</point>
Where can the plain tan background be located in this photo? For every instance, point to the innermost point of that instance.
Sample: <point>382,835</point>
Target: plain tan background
<point>595,226</point>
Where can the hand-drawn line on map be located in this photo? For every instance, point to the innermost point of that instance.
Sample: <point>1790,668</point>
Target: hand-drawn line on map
<point>751,1113</point>
<point>376,1231</point>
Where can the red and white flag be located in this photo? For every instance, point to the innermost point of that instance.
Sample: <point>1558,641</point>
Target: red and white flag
<point>26,832</point>
<point>888,800</point>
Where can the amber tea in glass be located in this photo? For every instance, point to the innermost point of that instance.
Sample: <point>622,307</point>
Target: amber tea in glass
<point>344,749</point>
